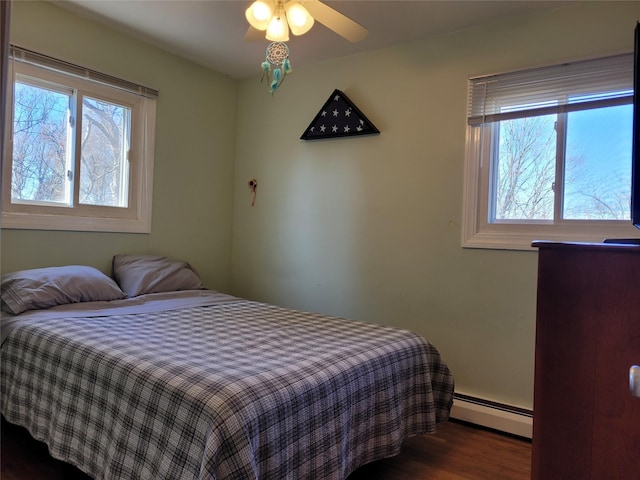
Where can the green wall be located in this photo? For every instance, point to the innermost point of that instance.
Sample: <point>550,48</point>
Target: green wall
<point>194,150</point>
<point>369,227</point>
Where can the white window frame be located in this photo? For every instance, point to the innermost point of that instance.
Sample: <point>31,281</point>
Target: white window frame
<point>477,231</point>
<point>136,217</point>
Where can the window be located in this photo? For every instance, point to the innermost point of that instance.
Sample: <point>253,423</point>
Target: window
<point>549,155</point>
<point>79,154</point>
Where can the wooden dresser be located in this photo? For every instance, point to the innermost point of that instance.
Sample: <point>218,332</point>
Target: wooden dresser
<point>586,423</point>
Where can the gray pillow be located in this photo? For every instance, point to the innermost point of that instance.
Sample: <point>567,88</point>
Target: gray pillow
<point>46,287</point>
<point>140,274</point>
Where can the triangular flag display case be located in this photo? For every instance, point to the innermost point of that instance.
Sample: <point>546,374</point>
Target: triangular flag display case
<point>339,117</point>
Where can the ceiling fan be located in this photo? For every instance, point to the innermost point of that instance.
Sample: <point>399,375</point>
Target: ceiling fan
<point>277,17</point>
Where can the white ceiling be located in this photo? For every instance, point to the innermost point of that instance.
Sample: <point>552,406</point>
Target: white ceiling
<point>211,32</point>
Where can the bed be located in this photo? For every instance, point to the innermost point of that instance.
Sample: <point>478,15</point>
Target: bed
<point>148,375</point>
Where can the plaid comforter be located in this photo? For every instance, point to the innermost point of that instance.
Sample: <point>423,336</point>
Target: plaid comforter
<point>238,390</point>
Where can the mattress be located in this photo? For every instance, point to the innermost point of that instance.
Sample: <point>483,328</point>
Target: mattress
<point>201,385</point>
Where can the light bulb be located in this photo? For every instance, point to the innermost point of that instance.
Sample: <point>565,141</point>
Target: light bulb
<point>298,17</point>
<point>278,30</point>
<point>259,14</point>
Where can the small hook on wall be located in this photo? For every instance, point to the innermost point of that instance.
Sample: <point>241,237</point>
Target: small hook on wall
<point>253,185</point>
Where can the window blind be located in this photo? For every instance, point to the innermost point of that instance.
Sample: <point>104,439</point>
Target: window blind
<point>19,54</point>
<point>553,89</point>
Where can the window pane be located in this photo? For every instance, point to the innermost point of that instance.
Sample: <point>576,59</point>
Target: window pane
<point>597,181</point>
<point>104,169</point>
<point>523,169</point>
<point>40,147</point>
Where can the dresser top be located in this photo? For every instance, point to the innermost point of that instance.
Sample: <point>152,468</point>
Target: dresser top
<point>618,247</point>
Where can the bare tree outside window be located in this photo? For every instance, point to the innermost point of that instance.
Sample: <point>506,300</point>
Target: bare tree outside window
<point>39,144</point>
<point>103,168</point>
<point>526,168</point>
<point>43,139</point>
<point>597,166</point>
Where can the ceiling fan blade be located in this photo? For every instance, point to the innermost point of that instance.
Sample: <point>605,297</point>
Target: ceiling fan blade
<point>253,35</point>
<point>336,21</point>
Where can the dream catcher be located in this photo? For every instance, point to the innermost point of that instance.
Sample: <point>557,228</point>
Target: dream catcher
<point>276,65</point>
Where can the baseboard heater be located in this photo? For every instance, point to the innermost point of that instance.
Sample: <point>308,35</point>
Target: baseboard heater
<point>494,415</point>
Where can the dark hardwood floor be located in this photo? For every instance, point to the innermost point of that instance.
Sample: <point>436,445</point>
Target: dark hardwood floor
<point>457,452</point>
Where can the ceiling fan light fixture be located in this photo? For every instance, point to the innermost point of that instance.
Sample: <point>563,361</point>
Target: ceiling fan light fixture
<point>259,14</point>
<point>299,19</point>
<point>278,30</point>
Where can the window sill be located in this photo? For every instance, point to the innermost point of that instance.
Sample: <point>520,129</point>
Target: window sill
<point>511,237</point>
<point>22,221</point>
